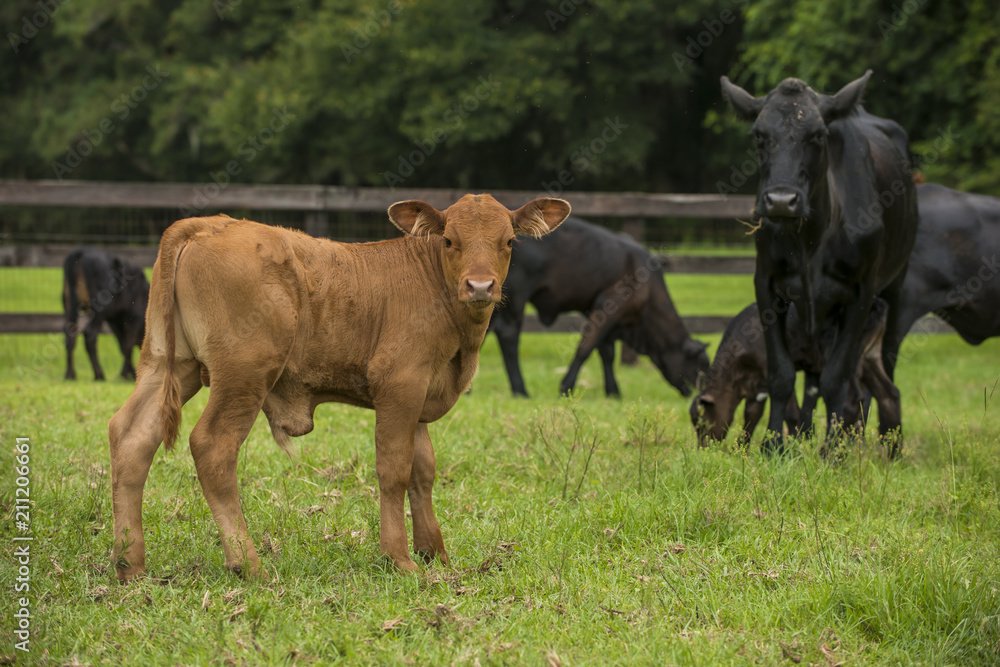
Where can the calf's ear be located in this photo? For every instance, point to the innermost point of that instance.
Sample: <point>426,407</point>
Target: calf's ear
<point>839,105</point>
<point>746,106</point>
<point>540,216</point>
<point>417,218</point>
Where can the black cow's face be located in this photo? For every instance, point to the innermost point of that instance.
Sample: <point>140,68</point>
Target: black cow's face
<point>681,367</point>
<point>790,129</point>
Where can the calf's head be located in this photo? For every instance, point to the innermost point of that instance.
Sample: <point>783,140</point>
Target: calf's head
<point>790,132</point>
<point>474,237</point>
<point>711,417</point>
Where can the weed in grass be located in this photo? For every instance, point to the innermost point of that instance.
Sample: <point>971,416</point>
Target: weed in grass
<point>647,427</point>
<point>563,433</point>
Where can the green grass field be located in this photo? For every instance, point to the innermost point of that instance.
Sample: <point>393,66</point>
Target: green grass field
<point>650,551</point>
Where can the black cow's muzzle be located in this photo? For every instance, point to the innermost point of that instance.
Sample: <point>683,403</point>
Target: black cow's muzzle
<point>782,202</point>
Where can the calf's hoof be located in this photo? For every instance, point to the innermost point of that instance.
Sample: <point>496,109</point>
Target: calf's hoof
<point>248,571</point>
<point>125,574</point>
<point>402,564</point>
<point>428,556</point>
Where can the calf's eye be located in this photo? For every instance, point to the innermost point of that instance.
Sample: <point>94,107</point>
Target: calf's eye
<point>447,242</point>
<point>510,242</point>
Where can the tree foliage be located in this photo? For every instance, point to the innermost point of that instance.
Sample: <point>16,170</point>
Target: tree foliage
<point>558,94</point>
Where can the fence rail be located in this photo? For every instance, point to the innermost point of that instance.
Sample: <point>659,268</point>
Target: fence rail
<point>195,197</point>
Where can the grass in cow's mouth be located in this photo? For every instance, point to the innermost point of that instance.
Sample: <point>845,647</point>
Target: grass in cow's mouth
<point>643,549</point>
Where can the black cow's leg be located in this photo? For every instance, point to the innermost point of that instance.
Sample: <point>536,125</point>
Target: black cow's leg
<point>90,339</point>
<point>128,337</point>
<point>595,331</point>
<point>70,328</point>
<point>507,326</point>
<point>120,330</point>
<point>882,388</point>
<point>793,416</point>
<point>780,368</point>
<point>753,410</point>
<point>810,397</point>
<point>841,367</point>
<point>607,351</point>
<point>897,324</point>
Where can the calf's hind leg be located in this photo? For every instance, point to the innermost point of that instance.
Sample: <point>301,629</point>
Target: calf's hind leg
<point>134,433</point>
<point>427,540</point>
<point>215,446</point>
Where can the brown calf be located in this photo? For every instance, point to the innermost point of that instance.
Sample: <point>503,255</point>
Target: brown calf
<point>280,322</point>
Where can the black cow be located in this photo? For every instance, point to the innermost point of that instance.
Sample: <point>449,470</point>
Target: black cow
<point>838,217</point>
<point>107,290</point>
<point>954,266</point>
<point>739,373</point>
<point>616,283</point>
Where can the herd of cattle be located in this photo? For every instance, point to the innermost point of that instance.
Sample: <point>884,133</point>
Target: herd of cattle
<point>850,253</point>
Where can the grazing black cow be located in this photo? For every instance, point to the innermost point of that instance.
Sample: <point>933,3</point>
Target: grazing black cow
<point>954,266</point>
<point>838,217</point>
<point>739,373</point>
<point>616,283</point>
<point>107,290</point>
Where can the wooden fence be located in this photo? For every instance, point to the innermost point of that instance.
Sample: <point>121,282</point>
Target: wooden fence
<point>318,200</point>
<point>196,197</point>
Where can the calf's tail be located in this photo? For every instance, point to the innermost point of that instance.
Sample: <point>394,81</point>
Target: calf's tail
<point>165,271</point>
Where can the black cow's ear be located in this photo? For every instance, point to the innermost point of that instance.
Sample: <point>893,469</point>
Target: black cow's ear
<point>540,216</point>
<point>746,106</point>
<point>692,348</point>
<point>837,106</point>
<point>417,217</point>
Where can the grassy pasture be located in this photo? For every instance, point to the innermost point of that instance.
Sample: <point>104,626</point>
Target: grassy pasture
<point>648,551</point>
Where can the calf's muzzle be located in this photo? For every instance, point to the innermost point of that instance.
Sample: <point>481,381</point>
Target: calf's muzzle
<point>480,290</point>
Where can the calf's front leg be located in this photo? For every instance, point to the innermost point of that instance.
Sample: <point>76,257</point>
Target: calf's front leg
<point>427,540</point>
<point>395,434</point>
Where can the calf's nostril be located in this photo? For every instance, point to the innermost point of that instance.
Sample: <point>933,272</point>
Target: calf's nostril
<point>480,289</point>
